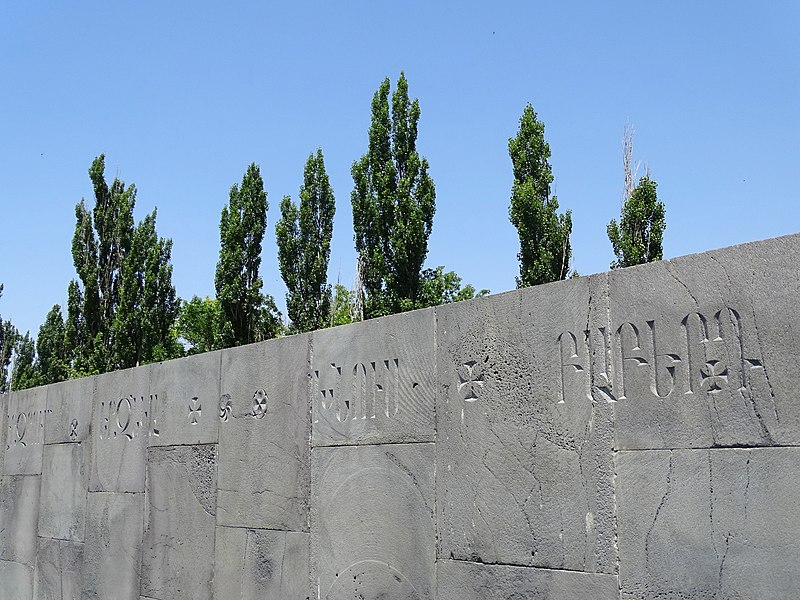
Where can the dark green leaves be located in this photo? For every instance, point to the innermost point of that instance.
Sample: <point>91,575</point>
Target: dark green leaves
<point>545,250</point>
<point>638,237</point>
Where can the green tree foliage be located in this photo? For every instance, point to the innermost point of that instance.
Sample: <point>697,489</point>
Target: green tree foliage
<point>51,358</point>
<point>117,315</point>
<point>8,340</point>
<point>199,324</point>
<point>24,374</point>
<point>394,201</point>
<point>304,247</point>
<point>341,306</point>
<point>143,328</point>
<point>638,237</point>
<point>440,287</point>
<point>545,250</point>
<point>247,314</point>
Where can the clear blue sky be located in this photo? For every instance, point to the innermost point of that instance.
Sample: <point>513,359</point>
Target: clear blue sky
<point>182,96</point>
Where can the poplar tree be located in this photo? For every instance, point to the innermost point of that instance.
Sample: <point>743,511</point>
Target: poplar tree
<point>247,315</point>
<point>51,356</point>
<point>304,247</point>
<point>394,201</point>
<point>637,239</point>
<point>116,313</point>
<point>545,250</point>
<point>8,339</point>
<point>23,375</point>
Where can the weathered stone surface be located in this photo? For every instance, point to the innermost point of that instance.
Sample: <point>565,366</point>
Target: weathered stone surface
<point>69,415</point>
<point>16,581</point>
<point>263,436</point>
<point>178,545</point>
<point>121,426</point>
<point>372,522</point>
<point>458,580</point>
<point>524,469</point>
<point>709,523</point>
<point>25,412</point>
<point>261,563</point>
<point>19,511</point>
<point>59,569</point>
<point>705,349</point>
<point>112,553</point>
<point>184,400</point>
<point>65,479</point>
<point>373,382</point>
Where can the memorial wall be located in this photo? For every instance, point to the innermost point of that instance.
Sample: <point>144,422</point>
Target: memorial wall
<point>632,434</point>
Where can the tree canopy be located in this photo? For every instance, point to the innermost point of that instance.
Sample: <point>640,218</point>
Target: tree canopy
<point>637,239</point>
<point>394,201</point>
<point>304,245</point>
<point>545,250</point>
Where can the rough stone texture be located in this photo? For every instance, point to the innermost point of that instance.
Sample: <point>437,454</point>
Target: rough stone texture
<point>261,563</point>
<point>709,523</point>
<point>19,511</point>
<point>16,581</point>
<point>69,406</point>
<point>65,479</point>
<point>25,412</point>
<point>112,554</point>
<point>121,426</point>
<point>372,522</point>
<point>178,545</point>
<point>633,433</point>
<point>524,468</point>
<point>458,580</point>
<point>263,436</point>
<point>185,398</point>
<point>706,349</point>
<point>373,382</point>
<point>59,568</point>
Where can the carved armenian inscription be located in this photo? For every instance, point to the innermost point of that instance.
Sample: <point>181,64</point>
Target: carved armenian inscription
<point>127,418</point>
<point>25,429</point>
<point>703,353</point>
<point>359,392</point>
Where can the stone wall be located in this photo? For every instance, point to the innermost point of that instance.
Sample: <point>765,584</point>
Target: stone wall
<point>633,434</point>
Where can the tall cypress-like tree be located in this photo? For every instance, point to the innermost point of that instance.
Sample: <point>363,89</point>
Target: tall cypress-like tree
<point>51,356</point>
<point>638,237</point>
<point>247,314</point>
<point>8,339</point>
<point>115,315</point>
<point>394,201</point>
<point>545,250</point>
<point>304,247</point>
<point>24,374</point>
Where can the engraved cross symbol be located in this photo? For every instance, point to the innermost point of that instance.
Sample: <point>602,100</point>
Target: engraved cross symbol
<point>73,433</point>
<point>470,380</point>
<point>195,409</point>
<point>716,374</point>
<point>259,404</point>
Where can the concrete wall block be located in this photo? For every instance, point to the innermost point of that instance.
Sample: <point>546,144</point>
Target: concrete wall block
<point>524,469</point>
<point>65,479</point>
<point>121,427</point>
<point>185,399</point>
<point>372,522</point>
<point>264,435</point>
<point>261,563</point>
<point>25,414</point>
<point>112,552</point>
<point>715,523</point>
<point>373,382</point>
<point>178,545</point>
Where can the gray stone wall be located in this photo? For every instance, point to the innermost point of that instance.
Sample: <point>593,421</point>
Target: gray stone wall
<point>633,434</point>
